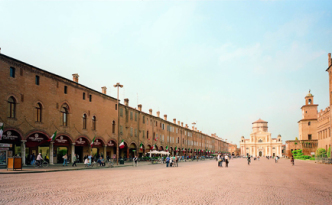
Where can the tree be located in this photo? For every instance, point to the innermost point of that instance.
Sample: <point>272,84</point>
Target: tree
<point>320,152</point>
<point>296,139</point>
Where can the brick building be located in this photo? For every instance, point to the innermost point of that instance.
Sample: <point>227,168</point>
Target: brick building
<point>35,103</point>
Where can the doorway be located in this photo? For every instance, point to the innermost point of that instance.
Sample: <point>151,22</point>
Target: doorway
<point>79,152</point>
<point>260,153</point>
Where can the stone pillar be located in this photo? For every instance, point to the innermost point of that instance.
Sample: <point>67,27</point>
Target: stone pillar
<point>72,152</point>
<point>105,146</point>
<point>277,154</point>
<point>265,154</point>
<point>23,151</point>
<point>51,153</point>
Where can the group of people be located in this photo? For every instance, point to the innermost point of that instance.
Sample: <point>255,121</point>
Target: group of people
<point>222,158</point>
<point>172,161</point>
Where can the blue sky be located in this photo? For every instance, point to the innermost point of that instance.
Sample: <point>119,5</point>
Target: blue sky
<point>222,64</point>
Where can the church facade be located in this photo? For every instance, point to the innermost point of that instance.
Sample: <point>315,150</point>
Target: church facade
<point>261,143</point>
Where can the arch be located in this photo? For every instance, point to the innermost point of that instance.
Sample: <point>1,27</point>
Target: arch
<point>67,135</point>
<point>67,104</point>
<point>82,136</point>
<point>94,122</point>
<point>36,132</point>
<point>112,141</point>
<point>156,147</point>
<point>64,109</point>
<point>98,143</point>
<point>161,148</point>
<point>12,95</point>
<point>11,135</point>
<point>60,139</point>
<point>14,129</point>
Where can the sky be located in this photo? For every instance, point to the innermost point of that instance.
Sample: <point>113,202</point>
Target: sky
<point>221,64</point>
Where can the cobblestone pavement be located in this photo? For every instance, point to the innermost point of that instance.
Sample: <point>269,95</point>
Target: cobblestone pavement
<point>263,182</point>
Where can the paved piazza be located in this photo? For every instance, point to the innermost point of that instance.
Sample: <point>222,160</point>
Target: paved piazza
<point>263,182</point>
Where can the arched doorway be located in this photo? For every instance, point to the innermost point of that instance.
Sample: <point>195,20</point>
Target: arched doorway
<point>61,146</point>
<point>260,153</point>
<point>13,138</point>
<point>82,145</point>
<point>111,149</point>
<point>132,150</point>
<point>38,142</point>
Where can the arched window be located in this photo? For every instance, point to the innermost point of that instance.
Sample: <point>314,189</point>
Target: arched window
<point>84,121</point>
<point>147,134</point>
<point>113,127</point>
<point>11,107</point>
<point>38,112</point>
<point>309,101</point>
<point>260,140</point>
<point>64,113</point>
<point>94,123</point>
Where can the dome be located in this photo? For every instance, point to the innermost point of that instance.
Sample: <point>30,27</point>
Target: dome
<point>259,121</point>
<point>309,94</point>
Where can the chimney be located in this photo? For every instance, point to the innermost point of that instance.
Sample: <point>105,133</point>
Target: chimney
<point>178,122</point>
<point>174,120</point>
<point>126,101</point>
<point>140,107</point>
<point>150,111</point>
<point>186,125</point>
<point>158,113</point>
<point>182,124</point>
<point>329,57</point>
<point>103,90</point>
<point>193,127</point>
<point>165,117</point>
<point>75,77</point>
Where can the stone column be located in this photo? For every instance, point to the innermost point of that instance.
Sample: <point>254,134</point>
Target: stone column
<point>105,146</point>
<point>72,152</point>
<point>265,154</point>
<point>51,153</point>
<point>23,151</point>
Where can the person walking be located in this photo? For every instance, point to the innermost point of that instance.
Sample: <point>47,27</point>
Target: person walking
<point>276,159</point>
<point>167,161</point>
<point>135,161</point>
<point>219,159</point>
<point>292,160</point>
<point>64,160</point>
<point>226,160</point>
<point>74,161</point>
<point>171,161</point>
<point>248,158</point>
<point>33,157</point>
<point>177,161</point>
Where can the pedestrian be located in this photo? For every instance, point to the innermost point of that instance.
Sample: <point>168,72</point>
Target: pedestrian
<point>135,160</point>
<point>74,161</point>
<point>219,159</point>
<point>248,158</point>
<point>64,160</point>
<point>226,160</point>
<point>171,161</point>
<point>176,161</point>
<point>167,161</point>
<point>292,160</point>
<point>33,157</point>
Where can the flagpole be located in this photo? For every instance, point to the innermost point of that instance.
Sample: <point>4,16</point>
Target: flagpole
<point>118,85</point>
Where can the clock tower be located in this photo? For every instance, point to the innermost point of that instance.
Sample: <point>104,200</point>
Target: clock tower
<point>308,123</point>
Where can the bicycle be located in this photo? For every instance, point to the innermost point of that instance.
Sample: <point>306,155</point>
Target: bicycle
<point>43,164</point>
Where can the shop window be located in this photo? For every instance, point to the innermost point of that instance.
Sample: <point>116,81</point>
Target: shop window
<point>113,127</point>
<point>11,107</point>
<point>38,112</point>
<point>84,121</point>
<point>12,72</point>
<point>64,113</point>
<point>94,123</point>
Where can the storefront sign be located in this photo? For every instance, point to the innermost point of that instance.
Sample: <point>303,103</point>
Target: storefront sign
<point>96,143</point>
<point>2,149</point>
<point>80,141</point>
<point>8,136</point>
<point>61,140</point>
<point>5,145</point>
<point>110,143</point>
<point>36,138</point>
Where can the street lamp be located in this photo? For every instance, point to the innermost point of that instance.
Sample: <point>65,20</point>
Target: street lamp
<point>118,85</point>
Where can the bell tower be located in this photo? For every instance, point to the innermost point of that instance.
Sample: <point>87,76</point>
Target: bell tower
<point>308,123</point>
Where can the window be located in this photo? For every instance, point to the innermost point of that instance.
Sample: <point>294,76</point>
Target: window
<point>147,134</point>
<point>64,113</point>
<point>94,123</point>
<point>11,107</point>
<point>121,131</point>
<point>83,96</point>
<point>65,89</point>
<point>38,112</point>
<point>37,80</point>
<point>12,72</point>
<point>135,116</point>
<point>143,119</point>
<point>309,101</point>
<point>131,115</point>
<point>116,106</point>
<point>84,121</point>
<point>163,126</point>
<point>260,140</point>
<point>90,98</point>
<point>113,127</point>
<point>309,137</point>
<point>121,112</point>
<point>131,131</point>
<point>156,123</point>
<point>143,133</point>
<point>308,123</point>
<point>135,132</point>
